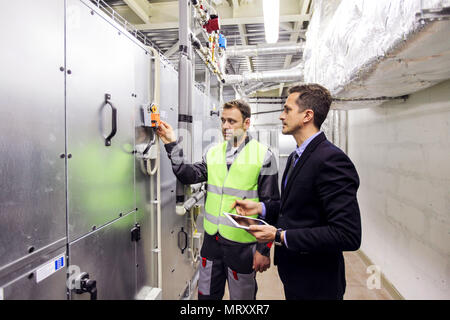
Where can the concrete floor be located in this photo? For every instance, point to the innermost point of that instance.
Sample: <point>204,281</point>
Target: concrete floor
<point>271,288</point>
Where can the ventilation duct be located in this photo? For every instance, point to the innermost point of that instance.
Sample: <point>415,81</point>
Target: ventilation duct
<point>372,49</point>
<point>264,49</point>
<point>250,89</point>
<point>287,75</point>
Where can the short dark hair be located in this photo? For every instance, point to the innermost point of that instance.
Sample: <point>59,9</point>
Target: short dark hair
<point>315,97</point>
<point>241,105</point>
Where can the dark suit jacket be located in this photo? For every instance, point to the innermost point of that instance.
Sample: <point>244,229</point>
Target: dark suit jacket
<point>320,212</point>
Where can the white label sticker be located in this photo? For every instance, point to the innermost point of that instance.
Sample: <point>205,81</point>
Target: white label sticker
<point>1,294</point>
<point>49,268</point>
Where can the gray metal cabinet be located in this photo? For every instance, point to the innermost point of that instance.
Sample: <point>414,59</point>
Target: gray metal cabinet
<point>64,191</point>
<point>100,177</point>
<point>32,172</point>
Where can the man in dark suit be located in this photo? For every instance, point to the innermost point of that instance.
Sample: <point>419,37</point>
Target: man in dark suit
<point>318,215</point>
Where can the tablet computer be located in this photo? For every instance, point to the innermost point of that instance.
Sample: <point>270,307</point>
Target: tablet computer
<point>243,222</point>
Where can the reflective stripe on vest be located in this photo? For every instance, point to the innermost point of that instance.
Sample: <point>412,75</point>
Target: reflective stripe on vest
<point>225,186</point>
<point>233,192</point>
<point>220,220</point>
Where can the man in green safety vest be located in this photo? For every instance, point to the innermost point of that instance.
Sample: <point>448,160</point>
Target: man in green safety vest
<point>239,168</point>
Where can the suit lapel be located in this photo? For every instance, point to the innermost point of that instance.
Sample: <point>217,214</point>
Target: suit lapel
<point>304,157</point>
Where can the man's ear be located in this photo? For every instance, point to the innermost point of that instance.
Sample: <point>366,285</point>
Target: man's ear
<point>247,123</point>
<point>309,116</point>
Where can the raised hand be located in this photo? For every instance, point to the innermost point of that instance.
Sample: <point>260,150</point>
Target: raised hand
<point>247,207</point>
<point>166,133</point>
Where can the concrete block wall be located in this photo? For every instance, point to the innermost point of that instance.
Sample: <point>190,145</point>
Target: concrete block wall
<point>402,153</point>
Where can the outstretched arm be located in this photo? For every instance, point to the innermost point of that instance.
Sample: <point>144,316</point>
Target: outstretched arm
<point>185,172</point>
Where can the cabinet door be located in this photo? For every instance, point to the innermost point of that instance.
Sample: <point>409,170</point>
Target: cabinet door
<point>108,256</point>
<point>100,61</point>
<point>32,173</point>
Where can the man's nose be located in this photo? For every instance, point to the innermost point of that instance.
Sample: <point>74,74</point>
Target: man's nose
<point>281,117</point>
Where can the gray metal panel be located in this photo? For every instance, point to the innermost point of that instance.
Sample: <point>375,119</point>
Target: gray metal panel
<point>11,271</point>
<point>100,178</point>
<point>198,110</point>
<point>26,286</point>
<point>146,259</point>
<point>32,188</point>
<point>170,222</point>
<point>177,270</point>
<point>212,132</point>
<point>108,256</point>
<point>201,111</point>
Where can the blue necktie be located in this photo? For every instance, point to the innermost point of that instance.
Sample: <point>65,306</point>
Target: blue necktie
<point>291,167</point>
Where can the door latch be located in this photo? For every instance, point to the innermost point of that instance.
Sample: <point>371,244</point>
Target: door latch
<point>83,284</point>
<point>136,232</point>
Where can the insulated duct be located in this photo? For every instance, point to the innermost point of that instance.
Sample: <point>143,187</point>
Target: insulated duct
<point>266,76</point>
<point>249,89</point>
<point>264,49</point>
<point>369,49</point>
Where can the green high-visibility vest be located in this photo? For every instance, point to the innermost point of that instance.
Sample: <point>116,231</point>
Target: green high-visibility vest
<point>225,186</point>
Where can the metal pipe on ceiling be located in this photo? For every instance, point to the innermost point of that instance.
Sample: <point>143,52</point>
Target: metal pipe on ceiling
<point>264,49</point>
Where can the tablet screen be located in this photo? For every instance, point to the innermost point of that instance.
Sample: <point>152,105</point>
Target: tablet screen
<point>243,221</point>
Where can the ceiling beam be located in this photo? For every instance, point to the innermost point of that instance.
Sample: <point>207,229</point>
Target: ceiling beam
<point>164,15</point>
<point>286,26</point>
<point>248,60</point>
<point>223,22</point>
<point>141,8</point>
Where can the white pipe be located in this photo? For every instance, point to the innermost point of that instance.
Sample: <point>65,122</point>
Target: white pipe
<point>150,171</point>
<point>264,49</point>
<point>156,96</point>
<point>188,204</point>
<point>266,76</point>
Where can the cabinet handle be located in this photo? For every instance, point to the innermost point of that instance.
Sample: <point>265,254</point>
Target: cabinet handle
<point>113,120</point>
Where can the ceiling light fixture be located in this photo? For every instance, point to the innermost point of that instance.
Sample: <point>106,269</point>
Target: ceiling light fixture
<point>271,10</point>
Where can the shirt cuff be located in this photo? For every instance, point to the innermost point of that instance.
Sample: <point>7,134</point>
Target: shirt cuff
<point>263,213</point>
<point>285,239</point>
<point>169,146</point>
